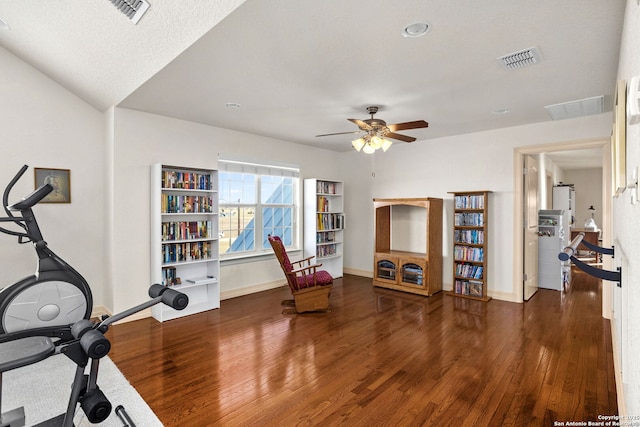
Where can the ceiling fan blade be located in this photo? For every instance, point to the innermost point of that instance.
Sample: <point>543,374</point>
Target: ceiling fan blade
<point>408,125</point>
<point>397,136</point>
<point>362,125</point>
<point>339,133</point>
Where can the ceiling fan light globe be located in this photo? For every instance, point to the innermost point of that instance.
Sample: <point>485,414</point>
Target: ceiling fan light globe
<point>376,142</point>
<point>368,149</point>
<point>386,143</point>
<point>358,144</point>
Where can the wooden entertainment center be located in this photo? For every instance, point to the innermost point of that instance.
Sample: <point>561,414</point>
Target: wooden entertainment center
<point>417,271</point>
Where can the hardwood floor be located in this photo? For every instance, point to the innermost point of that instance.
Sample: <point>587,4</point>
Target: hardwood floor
<point>379,357</point>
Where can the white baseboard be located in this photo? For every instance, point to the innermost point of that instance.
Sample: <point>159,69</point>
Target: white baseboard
<point>617,367</point>
<point>356,272</point>
<point>234,293</point>
<point>101,310</point>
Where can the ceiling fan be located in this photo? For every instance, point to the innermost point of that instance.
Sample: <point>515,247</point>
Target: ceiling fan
<point>375,132</point>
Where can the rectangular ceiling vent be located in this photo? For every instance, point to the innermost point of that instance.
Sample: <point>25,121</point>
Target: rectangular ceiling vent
<point>520,59</point>
<point>579,108</point>
<point>133,9</point>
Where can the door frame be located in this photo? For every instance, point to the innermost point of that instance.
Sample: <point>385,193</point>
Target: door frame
<point>518,210</point>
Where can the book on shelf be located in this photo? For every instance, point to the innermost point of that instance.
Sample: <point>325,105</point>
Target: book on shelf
<point>330,221</point>
<point>325,187</point>
<point>470,271</point>
<point>184,252</point>
<point>467,253</point>
<point>179,203</point>
<point>186,230</point>
<point>475,288</point>
<point>326,250</point>
<point>469,202</point>
<point>474,237</point>
<point>172,179</point>
<point>469,219</point>
<point>469,287</point>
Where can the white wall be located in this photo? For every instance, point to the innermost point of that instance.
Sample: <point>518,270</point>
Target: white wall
<point>143,139</point>
<point>432,168</point>
<point>626,234</point>
<point>44,125</point>
<point>588,185</point>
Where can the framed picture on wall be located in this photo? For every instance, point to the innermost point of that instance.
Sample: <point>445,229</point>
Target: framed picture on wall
<point>60,180</point>
<point>619,140</point>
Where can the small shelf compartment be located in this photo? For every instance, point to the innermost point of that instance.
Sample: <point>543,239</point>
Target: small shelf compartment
<point>386,268</point>
<point>412,274</point>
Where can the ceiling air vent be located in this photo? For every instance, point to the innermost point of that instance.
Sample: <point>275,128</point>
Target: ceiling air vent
<point>133,9</point>
<point>520,59</point>
<point>579,108</point>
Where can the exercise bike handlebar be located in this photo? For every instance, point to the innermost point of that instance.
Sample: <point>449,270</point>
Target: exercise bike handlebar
<point>7,190</point>
<point>32,199</point>
<point>23,205</point>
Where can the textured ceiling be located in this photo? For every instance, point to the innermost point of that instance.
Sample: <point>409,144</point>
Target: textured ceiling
<point>301,68</point>
<point>94,50</point>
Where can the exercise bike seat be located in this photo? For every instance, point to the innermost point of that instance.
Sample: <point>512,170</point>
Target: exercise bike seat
<point>24,351</point>
<point>32,199</point>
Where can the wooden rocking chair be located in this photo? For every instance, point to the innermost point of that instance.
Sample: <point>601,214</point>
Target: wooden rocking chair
<point>310,287</point>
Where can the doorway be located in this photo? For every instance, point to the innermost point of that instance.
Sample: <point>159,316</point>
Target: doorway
<point>520,213</point>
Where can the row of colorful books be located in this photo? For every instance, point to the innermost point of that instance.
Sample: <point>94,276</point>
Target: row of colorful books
<point>323,204</point>
<point>325,187</point>
<point>326,250</point>
<point>177,203</point>
<point>468,287</point>
<point>186,180</point>
<point>475,237</point>
<point>325,237</point>
<point>471,219</point>
<point>469,202</point>
<point>184,230</point>
<point>469,270</point>
<point>330,221</point>
<point>466,253</point>
<point>169,277</point>
<point>184,252</point>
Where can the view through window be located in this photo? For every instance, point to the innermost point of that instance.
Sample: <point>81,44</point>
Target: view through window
<point>256,200</point>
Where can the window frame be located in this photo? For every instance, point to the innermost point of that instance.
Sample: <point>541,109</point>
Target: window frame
<point>260,169</point>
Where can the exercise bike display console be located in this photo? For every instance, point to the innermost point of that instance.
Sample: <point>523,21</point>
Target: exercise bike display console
<point>48,313</point>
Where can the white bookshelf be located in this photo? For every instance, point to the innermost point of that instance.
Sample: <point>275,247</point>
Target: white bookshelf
<point>184,237</point>
<point>324,223</point>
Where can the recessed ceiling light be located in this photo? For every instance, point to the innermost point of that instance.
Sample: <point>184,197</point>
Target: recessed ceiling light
<point>4,25</point>
<point>232,105</point>
<point>416,30</point>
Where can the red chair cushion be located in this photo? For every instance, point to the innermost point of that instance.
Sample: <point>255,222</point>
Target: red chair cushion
<point>323,278</point>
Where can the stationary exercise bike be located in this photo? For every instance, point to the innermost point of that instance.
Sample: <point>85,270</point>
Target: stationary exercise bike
<point>49,312</point>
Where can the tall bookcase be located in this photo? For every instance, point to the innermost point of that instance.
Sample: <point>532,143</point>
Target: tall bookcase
<point>324,223</point>
<point>470,242</point>
<point>184,237</point>
<point>408,245</point>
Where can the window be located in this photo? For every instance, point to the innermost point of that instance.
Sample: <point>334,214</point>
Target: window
<point>257,200</point>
